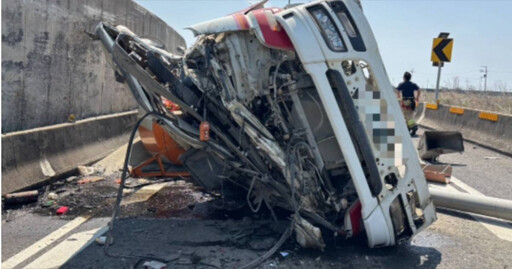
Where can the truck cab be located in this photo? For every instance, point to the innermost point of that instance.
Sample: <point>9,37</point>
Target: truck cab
<point>301,112</point>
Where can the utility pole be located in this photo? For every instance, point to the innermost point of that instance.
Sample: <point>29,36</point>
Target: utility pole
<point>484,70</point>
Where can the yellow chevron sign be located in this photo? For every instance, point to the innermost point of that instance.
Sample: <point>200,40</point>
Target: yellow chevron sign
<point>442,50</point>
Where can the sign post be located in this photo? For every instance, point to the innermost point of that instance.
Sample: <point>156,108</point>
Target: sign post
<point>438,80</point>
<point>441,52</point>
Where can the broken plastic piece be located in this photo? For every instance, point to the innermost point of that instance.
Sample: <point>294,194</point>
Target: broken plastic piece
<point>62,210</point>
<point>47,203</point>
<point>437,172</point>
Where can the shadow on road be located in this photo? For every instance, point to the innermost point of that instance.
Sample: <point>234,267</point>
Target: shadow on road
<point>233,243</point>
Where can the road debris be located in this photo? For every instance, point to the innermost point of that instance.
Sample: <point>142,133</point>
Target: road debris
<point>85,170</point>
<point>48,203</point>
<point>128,191</point>
<point>154,265</point>
<point>90,180</point>
<point>53,196</point>
<point>101,240</point>
<point>21,197</point>
<point>437,173</point>
<point>71,179</point>
<point>90,170</point>
<point>142,181</point>
<point>62,210</point>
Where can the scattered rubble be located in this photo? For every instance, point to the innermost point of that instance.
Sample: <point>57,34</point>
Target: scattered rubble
<point>90,180</point>
<point>90,170</point>
<point>47,203</point>
<point>71,179</point>
<point>53,196</point>
<point>85,170</point>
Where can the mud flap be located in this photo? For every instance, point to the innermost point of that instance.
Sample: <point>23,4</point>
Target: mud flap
<point>434,143</point>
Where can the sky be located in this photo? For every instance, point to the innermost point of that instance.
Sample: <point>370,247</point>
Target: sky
<point>404,29</point>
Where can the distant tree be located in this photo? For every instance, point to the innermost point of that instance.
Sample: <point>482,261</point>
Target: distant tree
<point>455,83</point>
<point>469,86</point>
<point>452,83</point>
<point>447,84</point>
<point>500,86</point>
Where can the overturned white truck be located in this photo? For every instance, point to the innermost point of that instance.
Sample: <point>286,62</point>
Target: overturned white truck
<point>301,116</point>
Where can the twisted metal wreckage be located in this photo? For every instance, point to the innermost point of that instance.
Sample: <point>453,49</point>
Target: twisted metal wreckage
<point>291,107</point>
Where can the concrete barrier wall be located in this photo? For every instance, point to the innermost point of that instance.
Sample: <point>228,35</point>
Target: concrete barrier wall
<point>52,69</point>
<point>496,135</point>
<point>34,156</point>
<point>50,66</point>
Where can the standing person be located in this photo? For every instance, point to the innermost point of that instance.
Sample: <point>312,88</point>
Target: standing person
<point>409,93</point>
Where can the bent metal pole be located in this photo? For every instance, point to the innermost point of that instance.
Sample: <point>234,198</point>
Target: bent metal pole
<point>484,205</point>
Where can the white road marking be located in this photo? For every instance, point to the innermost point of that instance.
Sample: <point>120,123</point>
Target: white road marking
<point>46,167</point>
<point>498,227</point>
<point>140,195</point>
<point>43,243</point>
<point>60,254</point>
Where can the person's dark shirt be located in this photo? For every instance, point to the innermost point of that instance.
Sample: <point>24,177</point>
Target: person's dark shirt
<point>407,88</point>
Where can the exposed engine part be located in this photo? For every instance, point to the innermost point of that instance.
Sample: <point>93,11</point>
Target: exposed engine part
<point>291,107</point>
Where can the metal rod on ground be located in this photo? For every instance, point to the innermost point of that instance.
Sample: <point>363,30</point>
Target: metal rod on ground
<point>438,79</point>
<point>484,205</point>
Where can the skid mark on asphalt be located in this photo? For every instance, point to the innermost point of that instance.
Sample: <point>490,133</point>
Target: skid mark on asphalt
<point>43,243</point>
<point>498,227</point>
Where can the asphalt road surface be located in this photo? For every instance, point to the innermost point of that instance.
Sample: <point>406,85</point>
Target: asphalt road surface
<point>36,239</point>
